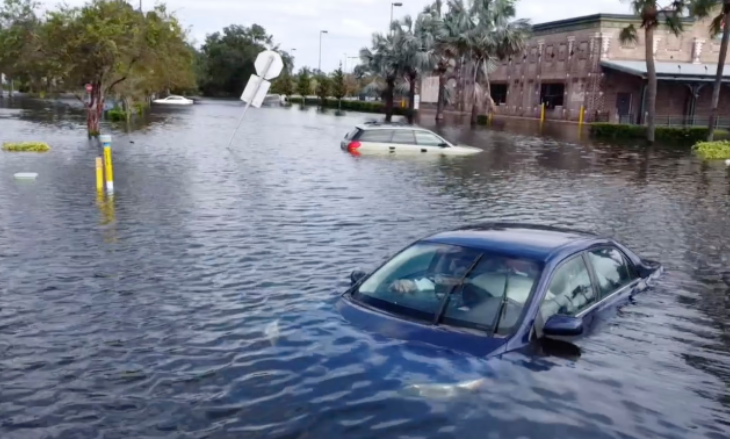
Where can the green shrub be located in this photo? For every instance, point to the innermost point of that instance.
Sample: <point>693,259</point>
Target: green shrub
<point>140,107</point>
<point>665,134</point>
<point>719,149</point>
<point>362,106</point>
<point>26,147</point>
<point>116,114</point>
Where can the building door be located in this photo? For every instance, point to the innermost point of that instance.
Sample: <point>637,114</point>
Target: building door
<point>623,107</point>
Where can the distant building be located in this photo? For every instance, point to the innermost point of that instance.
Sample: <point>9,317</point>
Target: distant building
<point>581,62</point>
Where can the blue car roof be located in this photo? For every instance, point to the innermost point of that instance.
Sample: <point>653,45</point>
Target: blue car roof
<point>529,241</point>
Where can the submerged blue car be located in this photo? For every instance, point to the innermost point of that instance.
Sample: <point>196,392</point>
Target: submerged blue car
<point>493,288</point>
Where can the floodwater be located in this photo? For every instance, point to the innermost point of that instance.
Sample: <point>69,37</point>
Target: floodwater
<point>151,315</point>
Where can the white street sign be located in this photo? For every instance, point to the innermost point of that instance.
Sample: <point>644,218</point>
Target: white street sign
<point>272,60</point>
<point>416,102</point>
<point>255,91</point>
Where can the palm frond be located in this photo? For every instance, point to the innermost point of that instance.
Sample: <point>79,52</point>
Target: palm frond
<point>716,25</point>
<point>628,34</point>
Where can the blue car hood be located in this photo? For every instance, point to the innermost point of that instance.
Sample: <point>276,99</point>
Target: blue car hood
<point>394,327</point>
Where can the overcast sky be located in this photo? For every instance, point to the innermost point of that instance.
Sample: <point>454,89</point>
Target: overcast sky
<point>295,24</point>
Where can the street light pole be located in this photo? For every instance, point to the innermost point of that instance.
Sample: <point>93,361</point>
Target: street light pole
<point>353,66</point>
<point>320,50</point>
<point>394,4</point>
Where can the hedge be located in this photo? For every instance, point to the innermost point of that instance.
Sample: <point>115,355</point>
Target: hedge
<point>666,134</point>
<point>719,149</point>
<point>363,106</point>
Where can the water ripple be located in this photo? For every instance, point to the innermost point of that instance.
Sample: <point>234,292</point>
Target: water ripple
<point>145,316</point>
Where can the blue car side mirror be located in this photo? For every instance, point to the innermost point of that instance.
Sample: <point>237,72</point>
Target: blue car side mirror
<point>565,326</point>
<point>356,276</point>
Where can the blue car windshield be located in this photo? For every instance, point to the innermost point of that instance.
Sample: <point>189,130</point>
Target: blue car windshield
<point>469,287</point>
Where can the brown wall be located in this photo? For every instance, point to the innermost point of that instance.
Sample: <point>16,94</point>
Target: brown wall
<point>548,59</point>
<point>668,47</point>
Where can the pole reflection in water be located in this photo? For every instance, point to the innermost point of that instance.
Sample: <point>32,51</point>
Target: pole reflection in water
<point>107,209</point>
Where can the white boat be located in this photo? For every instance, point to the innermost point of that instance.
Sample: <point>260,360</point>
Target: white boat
<point>273,100</point>
<point>174,100</point>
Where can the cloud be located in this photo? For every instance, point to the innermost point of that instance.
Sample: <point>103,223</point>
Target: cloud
<point>350,23</point>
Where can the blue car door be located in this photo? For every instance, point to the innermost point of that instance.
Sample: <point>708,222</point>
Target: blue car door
<point>614,277</point>
<point>571,291</point>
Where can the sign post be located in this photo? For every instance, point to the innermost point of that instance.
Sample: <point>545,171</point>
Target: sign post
<point>268,66</point>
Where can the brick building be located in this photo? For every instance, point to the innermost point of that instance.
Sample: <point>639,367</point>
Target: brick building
<point>581,62</point>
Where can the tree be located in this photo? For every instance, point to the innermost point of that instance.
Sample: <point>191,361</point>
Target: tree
<point>447,34</point>
<point>721,11</point>
<point>415,50</point>
<point>339,88</point>
<point>283,84</point>
<point>18,23</point>
<point>304,83</point>
<point>652,15</point>
<point>382,60</point>
<point>492,38</point>
<point>107,43</point>
<point>97,44</point>
<point>169,62</point>
<point>352,85</point>
<point>226,59</point>
<point>324,86</point>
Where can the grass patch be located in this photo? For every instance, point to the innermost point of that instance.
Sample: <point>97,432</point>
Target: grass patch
<point>26,147</point>
<point>716,150</point>
<point>664,134</point>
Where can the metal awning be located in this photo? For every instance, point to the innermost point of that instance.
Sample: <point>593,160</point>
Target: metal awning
<point>670,71</point>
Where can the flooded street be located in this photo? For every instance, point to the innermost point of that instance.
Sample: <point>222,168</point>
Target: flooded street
<point>149,316</point>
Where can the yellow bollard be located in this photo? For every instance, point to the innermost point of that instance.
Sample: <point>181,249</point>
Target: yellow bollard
<point>489,118</point>
<point>106,141</point>
<point>542,112</point>
<point>99,175</point>
<point>580,115</point>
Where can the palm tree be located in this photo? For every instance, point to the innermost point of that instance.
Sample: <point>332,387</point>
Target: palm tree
<point>704,9</point>
<point>415,45</point>
<point>652,15</point>
<point>491,37</point>
<point>382,60</point>
<point>448,32</point>
<point>454,46</point>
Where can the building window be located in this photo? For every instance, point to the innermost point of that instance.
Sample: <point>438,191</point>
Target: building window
<point>549,53</point>
<point>552,95</point>
<point>533,55</point>
<point>498,93</point>
<point>562,52</point>
<point>583,50</point>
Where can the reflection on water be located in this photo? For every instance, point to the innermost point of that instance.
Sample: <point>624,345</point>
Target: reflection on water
<point>150,314</point>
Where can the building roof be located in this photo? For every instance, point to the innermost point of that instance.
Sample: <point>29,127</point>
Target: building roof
<point>591,19</point>
<point>669,70</point>
<point>521,240</point>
